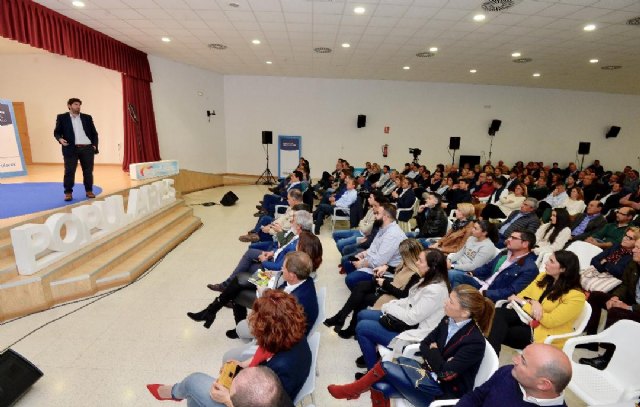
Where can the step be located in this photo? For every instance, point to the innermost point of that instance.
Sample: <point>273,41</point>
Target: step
<point>79,278</point>
<point>138,263</point>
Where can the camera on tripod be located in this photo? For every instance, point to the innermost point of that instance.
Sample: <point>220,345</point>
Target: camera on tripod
<point>416,153</point>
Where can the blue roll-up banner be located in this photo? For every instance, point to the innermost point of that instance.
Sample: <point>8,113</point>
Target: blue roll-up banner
<point>11,158</point>
<point>289,153</point>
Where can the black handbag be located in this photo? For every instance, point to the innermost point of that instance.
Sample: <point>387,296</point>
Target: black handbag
<point>394,324</point>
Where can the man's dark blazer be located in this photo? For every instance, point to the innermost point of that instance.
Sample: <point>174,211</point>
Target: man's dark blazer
<point>528,222</point>
<point>512,279</point>
<point>292,367</point>
<point>64,129</point>
<point>306,295</point>
<point>593,225</point>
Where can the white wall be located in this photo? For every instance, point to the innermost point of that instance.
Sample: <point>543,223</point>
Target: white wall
<point>182,95</point>
<point>537,124</point>
<point>44,82</point>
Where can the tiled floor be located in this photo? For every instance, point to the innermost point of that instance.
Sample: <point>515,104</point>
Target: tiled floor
<point>105,353</point>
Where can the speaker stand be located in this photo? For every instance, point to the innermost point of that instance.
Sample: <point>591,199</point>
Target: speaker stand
<point>582,162</point>
<point>490,147</point>
<point>453,157</point>
<point>267,177</point>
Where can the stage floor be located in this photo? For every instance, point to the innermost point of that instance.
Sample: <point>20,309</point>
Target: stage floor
<point>109,177</point>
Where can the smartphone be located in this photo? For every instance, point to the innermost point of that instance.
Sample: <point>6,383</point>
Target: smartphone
<point>229,371</point>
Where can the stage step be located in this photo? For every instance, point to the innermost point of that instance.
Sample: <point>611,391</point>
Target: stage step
<point>112,261</point>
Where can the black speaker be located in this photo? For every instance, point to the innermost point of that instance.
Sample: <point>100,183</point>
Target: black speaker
<point>584,147</point>
<point>17,374</point>
<point>362,120</point>
<point>495,126</point>
<point>267,137</point>
<point>229,198</point>
<point>613,132</point>
<point>454,143</point>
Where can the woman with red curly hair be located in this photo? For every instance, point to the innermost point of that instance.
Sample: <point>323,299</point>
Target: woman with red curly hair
<point>279,324</point>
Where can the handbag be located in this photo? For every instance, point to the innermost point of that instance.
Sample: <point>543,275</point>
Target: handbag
<point>593,280</point>
<point>394,324</point>
<point>421,378</point>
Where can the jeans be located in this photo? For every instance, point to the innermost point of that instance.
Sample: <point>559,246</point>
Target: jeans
<point>246,264</point>
<point>322,211</point>
<point>345,238</point>
<point>370,333</point>
<point>263,221</point>
<point>269,203</point>
<point>457,277</point>
<point>267,246</point>
<point>355,277</point>
<point>195,388</point>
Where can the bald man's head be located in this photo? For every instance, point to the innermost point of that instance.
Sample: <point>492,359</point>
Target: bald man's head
<point>258,387</point>
<point>542,370</point>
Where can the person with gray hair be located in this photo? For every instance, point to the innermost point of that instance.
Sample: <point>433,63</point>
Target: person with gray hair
<point>524,219</point>
<point>538,376</point>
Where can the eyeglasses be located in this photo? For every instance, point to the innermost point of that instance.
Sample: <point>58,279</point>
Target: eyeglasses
<point>629,237</point>
<point>624,213</point>
<point>514,238</point>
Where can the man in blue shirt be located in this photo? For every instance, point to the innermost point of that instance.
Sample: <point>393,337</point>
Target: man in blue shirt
<point>344,202</point>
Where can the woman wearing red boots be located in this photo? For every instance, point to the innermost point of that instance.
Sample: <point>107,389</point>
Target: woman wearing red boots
<point>452,354</point>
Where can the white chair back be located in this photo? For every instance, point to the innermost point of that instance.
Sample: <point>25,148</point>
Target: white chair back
<point>310,384</point>
<point>321,293</point>
<point>585,252</point>
<point>579,325</point>
<point>619,381</point>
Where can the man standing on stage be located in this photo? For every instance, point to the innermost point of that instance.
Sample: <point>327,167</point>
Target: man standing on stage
<point>79,139</point>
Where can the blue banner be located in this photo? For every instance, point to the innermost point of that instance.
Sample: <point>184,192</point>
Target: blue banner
<point>11,158</point>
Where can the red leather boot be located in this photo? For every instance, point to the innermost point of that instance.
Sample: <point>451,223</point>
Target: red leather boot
<point>378,399</point>
<point>354,390</point>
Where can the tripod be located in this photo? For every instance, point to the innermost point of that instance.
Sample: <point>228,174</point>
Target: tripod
<point>267,177</point>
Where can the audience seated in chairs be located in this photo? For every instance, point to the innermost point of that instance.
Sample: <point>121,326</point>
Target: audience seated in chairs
<point>346,239</point>
<point>458,193</point>
<point>622,303</point>
<point>269,201</point>
<point>612,233</point>
<point>278,324</point>
<point>506,204</point>
<point>267,227</point>
<point>460,231</point>
<point>383,249</point>
<point>380,289</point>
<point>508,273</point>
<point>404,197</point>
<point>587,223</point>
<point>538,376</point>
<point>478,250</point>
<point>554,300</point>
<point>523,219</point>
<point>453,351</point>
<point>323,210</point>
<point>431,219</point>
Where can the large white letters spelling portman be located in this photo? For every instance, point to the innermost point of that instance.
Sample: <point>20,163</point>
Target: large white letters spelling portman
<point>36,246</point>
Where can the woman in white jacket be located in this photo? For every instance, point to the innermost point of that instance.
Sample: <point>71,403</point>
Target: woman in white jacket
<point>552,236</point>
<point>506,204</point>
<point>420,312</point>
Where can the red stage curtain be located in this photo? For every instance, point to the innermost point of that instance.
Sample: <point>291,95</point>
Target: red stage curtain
<point>40,27</point>
<point>140,137</point>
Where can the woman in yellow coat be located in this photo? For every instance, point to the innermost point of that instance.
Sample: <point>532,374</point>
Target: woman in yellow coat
<point>554,300</point>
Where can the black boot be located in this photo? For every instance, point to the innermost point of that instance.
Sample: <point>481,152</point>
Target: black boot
<point>336,320</point>
<point>208,314</point>
<point>349,331</point>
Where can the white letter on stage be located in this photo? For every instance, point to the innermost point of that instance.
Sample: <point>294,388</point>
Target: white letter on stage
<point>28,241</point>
<point>75,232</point>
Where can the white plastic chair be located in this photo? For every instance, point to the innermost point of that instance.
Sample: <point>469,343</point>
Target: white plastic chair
<point>585,252</point>
<point>406,225</point>
<point>620,381</point>
<point>579,324</point>
<point>321,293</point>
<point>280,210</point>
<point>339,214</point>
<point>310,384</point>
<point>488,367</point>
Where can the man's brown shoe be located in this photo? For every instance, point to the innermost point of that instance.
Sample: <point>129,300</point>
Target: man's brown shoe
<point>68,197</point>
<point>90,195</point>
<point>249,238</point>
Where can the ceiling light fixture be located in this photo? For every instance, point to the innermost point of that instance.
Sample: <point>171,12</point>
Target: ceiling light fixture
<point>611,67</point>
<point>322,50</point>
<point>593,61</point>
<point>346,45</point>
<point>256,42</point>
<point>522,60</point>
<point>498,5</point>
<point>269,62</point>
<point>406,68</point>
<point>516,54</point>
<point>359,10</point>
<point>633,21</point>
<point>78,4</point>
<point>433,49</point>
<point>536,75</point>
<point>589,27</point>
<point>425,54</point>
<point>166,39</point>
<point>479,17</point>
<point>473,70</point>
<point>218,47</point>
<point>233,4</point>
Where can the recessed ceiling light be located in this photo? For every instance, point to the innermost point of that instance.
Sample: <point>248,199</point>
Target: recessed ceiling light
<point>406,68</point>
<point>516,54</point>
<point>433,49</point>
<point>346,45</point>
<point>269,62</point>
<point>166,39</point>
<point>589,27</point>
<point>473,70</point>
<point>233,4</point>
<point>322,50</point>
<point>479,17</point>
<point>611,67</point>
<point>425,54</point>
<point>359,10</point>
<point>255,42</point>
<point>78,3</point>
<point>536,75</point>
<point>593,61</point>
